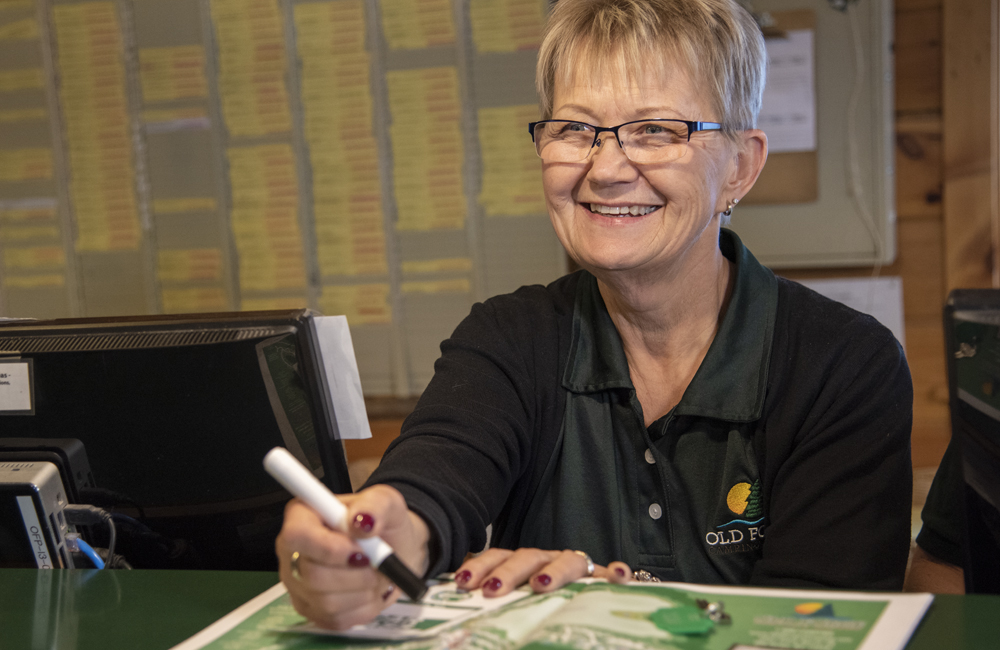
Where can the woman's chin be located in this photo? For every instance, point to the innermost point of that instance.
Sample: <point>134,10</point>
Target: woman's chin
<point>601,264</point>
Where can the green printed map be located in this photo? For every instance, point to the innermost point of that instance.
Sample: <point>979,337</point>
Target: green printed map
<point>599,615</point>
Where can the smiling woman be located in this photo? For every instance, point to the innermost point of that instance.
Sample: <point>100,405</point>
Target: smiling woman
<point>673,408</point>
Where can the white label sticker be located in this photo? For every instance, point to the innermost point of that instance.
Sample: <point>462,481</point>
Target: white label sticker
<point>15,386</point>
<point>35,534</point>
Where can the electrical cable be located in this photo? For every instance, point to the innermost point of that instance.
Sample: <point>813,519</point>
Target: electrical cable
<point>121,519</point>
<point>112,537</point>
<point>86,515</point>
<point>854,184</point>
<point>91,554</point>
<point>105,498</point>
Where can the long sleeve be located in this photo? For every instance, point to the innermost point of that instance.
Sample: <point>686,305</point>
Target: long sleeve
<point>837,465</point>
<point>471,439</point>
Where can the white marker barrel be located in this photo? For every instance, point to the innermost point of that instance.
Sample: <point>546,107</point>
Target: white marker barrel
<point>298,480</point>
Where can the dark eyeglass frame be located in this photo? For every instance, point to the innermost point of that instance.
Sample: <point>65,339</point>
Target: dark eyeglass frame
<point>692,128</point>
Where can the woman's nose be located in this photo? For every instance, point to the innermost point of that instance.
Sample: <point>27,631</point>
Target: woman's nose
<point>608,162</point>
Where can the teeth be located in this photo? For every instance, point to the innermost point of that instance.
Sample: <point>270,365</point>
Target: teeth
<point>634,210</point>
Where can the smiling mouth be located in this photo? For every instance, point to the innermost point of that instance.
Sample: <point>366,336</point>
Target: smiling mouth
<point>622,211</point>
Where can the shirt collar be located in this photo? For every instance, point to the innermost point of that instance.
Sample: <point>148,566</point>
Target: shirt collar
<point>731,382</point>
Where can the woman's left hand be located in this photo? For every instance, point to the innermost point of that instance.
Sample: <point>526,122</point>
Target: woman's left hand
<point>500,571</point>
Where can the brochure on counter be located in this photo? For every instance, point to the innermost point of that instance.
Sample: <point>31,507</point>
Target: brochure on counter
<point>589,614</point>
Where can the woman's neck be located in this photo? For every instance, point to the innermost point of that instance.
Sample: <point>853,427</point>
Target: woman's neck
<point>667,322</point>
<point>672,307</point>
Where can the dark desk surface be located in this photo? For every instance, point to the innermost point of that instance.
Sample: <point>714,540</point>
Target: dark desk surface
<point>154,610</point>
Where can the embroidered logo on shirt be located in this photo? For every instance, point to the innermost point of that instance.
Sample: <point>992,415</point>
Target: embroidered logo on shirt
<point>744,499</point>
<point>744,532</point>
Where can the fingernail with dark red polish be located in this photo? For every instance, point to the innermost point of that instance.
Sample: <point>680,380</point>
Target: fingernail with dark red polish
<point>358,560</point>
<point>364,522</point>
<point>463,576</point>
<point>388,592</point>
<point>544,579</point>
<point>620,572</point>
<point>493,584</point>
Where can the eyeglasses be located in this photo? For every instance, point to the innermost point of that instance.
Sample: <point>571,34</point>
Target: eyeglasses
<point>642,141</point>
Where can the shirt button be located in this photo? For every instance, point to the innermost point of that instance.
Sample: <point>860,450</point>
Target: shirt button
<point>655,511</point>
<point>649,457</point>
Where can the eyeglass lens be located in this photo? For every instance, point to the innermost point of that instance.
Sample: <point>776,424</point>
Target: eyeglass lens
<point>648,141</point>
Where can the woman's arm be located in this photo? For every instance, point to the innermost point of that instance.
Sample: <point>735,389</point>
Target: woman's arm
<point>931,574</point>
<point>478,433</point>
<point>938,551</point>
<point>838,476</point>
<point>448,476</point>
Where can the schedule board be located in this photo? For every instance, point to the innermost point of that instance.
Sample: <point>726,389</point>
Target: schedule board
<point>360,157</point>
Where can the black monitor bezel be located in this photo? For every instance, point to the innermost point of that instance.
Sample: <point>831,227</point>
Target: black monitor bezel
<point>335,473</point>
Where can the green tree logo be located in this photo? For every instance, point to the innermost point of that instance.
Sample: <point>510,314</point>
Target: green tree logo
<point>744,499</point>
<point>754,508</point>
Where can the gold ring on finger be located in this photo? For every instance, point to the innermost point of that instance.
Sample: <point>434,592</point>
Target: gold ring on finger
<point>590,563</point>
<point>295,566</point>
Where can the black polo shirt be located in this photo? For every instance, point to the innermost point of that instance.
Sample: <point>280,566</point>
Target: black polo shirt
<point>687,486</point>
<point>786,463</point>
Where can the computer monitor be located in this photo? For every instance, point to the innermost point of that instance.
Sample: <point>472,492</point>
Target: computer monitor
<point>972,337</point>
<point>176,414</point>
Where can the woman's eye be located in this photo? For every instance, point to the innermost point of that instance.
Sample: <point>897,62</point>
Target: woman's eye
<point>654,129</point>
<point>576,126</point>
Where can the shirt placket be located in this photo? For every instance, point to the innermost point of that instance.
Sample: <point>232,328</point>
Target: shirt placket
<point>647,504</point>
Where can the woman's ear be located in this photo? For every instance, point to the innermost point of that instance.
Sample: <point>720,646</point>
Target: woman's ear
<point>751,154</point>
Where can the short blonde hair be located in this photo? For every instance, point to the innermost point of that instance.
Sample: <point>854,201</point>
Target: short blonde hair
<point>718,40</point>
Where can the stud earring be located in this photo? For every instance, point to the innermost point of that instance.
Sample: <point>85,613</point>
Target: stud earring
<point>729,209</point>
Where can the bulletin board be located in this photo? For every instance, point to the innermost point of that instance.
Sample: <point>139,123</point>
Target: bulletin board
<point>359,157</point>
<point>833,204</point>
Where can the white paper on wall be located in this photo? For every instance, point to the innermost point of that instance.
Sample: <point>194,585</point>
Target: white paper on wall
<point>788,114</point>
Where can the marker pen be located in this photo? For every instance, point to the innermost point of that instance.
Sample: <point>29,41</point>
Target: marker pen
<point>298,480</point>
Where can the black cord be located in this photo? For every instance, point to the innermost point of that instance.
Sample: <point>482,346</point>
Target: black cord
<point>112,537</point>
<point>125,521</point>
<point>104,498</point>
<point>86,515</point>
<point>116,562</point>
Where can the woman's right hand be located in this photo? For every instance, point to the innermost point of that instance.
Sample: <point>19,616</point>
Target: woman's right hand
<point>499,571</point>
<point>332,583</point>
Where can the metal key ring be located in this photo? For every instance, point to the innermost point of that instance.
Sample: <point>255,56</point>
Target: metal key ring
<point>641,575</point>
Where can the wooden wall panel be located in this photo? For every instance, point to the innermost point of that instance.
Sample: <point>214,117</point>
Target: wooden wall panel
<point>968,233</point>
<point>918,167</point>
<point>966,89</point>
<point>921,265</point>
<point>931,425</point>
<point>918,59</point>
<point>966,143</point>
